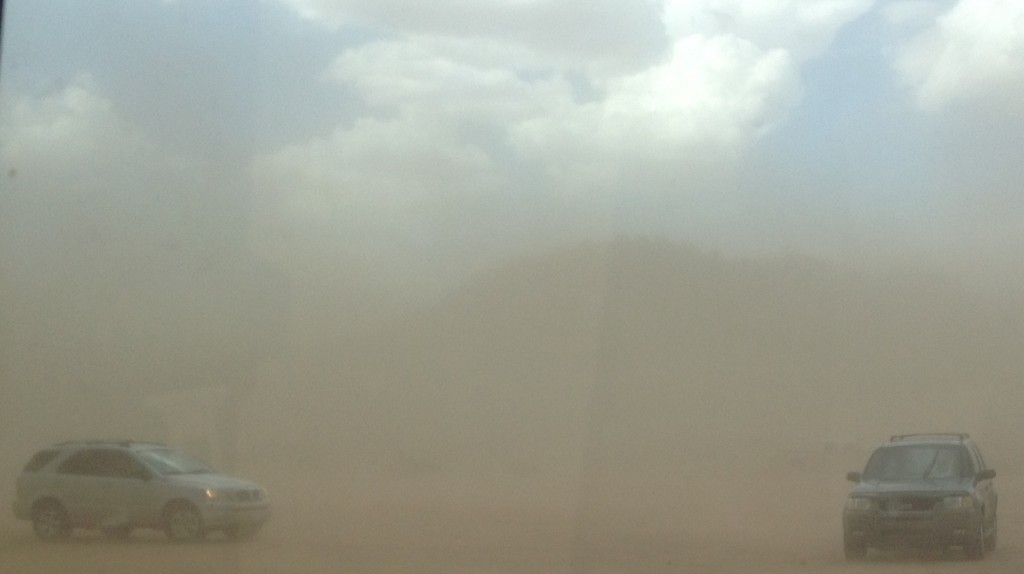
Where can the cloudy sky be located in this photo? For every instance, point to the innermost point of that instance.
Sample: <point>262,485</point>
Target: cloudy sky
<point>415,139</point>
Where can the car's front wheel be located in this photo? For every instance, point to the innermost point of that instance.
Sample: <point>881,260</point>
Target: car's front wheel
<point>854,549</point>
<point>50,522</point>
<point>974,548</point>
<point>183,523</point>
<point>993,537</point>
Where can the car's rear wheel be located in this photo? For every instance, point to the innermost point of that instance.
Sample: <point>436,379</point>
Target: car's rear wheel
<point>183,523</point>
<point>854,549</point>
<point>50,521</point>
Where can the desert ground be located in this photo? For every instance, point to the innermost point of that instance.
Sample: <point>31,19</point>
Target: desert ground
<point>781,520</point>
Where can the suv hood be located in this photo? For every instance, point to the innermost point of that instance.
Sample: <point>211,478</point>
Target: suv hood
<point>937,486</point>
<point>210,481</point>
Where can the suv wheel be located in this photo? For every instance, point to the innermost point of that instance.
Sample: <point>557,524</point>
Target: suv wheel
<point>183,523</point>
<point>974,548</point>
<point>50,521</point>
<point>854,549</point>
<point>993,536</point>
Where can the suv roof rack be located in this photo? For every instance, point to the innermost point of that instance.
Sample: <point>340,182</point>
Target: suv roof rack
<point>961,436</point>
<point>118,442</point>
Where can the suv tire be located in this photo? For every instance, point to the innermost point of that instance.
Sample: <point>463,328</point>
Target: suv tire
<point>854,549</point>
<point>50,521</point>
<point>974,548</point>
<point>183,523</point>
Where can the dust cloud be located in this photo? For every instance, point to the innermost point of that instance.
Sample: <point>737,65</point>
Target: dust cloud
<point>636,405</point>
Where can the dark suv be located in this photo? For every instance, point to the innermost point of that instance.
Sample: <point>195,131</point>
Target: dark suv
<point>119,486</point>
<point>924,489</point>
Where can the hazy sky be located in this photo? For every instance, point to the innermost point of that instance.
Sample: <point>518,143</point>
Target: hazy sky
<point>414,137</point>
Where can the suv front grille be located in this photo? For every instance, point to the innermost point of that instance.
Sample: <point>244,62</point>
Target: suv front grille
<point>909,503</point>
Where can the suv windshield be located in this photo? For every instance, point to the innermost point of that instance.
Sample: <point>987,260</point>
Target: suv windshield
<point>916,462</point>
<point>169,461</point>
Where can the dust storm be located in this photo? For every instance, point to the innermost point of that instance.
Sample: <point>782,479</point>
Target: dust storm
<point>635,405</point>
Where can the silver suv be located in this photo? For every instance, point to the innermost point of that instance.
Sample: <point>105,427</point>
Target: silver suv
<point>117,486</point>
<point>924,489</point>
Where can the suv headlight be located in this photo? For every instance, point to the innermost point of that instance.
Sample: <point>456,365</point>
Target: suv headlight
<point>859,503</point>
<point>958,502</point>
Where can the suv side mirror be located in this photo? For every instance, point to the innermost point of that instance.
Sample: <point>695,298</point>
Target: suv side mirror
<point>853,476</point>
<point>987,474</point>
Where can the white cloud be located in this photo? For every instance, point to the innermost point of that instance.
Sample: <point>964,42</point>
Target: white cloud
<point>609,33</point>
<point>972,52</point>
<point>75,125</point>
<point>86,191</point>
<point>713,89</point>
<point>382,166</point>
<point>71,146</point>
<point>487,103</point>
<point>457,80</point>
<point>804,28</point>
<point>377,176</point>
<point>440,102</point>
<point>728,70</point>
<point>910,13</point>
<point>691,114</point>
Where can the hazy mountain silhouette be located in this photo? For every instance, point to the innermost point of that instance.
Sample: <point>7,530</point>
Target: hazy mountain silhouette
<point>628,352</point>
<point>640,350</point>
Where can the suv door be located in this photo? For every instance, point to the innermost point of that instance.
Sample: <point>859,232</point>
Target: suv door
<point>80,486</point>
<point>103,487</point>
<point>126,491</point>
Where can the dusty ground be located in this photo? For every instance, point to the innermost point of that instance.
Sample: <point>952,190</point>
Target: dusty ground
<point>451,524</point>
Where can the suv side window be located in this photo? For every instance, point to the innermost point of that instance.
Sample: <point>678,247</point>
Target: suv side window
<point>40,459</point>
<point>971,459</point>
<point>84,462</point>
<point>103,462</point>
<point>120,464</point>
<point>979,463</point>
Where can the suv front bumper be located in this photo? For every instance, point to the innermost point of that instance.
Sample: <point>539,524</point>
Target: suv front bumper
<point>881,529</point>
<point>226,515</point>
